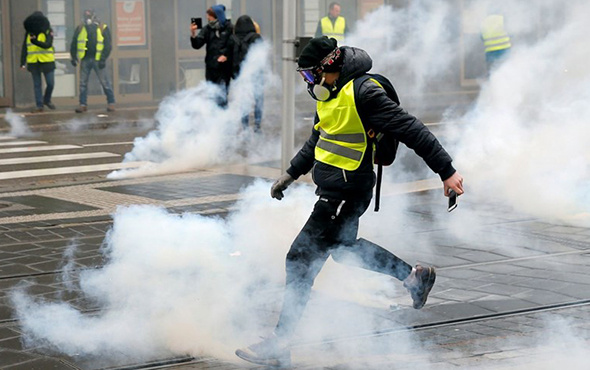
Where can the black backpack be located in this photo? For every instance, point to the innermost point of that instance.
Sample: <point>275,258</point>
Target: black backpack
<point>385,145</point>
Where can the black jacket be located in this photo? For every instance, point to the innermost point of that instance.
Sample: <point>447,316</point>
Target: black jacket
<point>217,44</point>
<point>91,45</point>
<point>239,43</point>
<point>379,112</point>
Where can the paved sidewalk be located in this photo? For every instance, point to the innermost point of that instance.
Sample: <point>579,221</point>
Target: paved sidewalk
<point>494,289</point>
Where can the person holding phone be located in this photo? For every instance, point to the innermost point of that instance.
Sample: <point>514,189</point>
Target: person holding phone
<point>215,34</point>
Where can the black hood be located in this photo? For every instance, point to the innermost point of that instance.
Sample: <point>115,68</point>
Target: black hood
<point>36,23</point>
<point>244,25</point>
<point>356,63</point>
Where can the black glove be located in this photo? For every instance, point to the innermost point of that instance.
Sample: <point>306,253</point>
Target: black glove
<point>102,64</point>
<point>276,190</point>
<point>74,62</point>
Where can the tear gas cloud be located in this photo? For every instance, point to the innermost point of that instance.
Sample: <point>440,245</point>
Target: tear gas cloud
<point>175,284</point>
<point>18,125</point>
<point>194,132</point>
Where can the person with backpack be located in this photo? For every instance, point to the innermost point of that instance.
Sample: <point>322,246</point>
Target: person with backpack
<point>244,36</point>
<point>38,57</point>
<point>339,154</point>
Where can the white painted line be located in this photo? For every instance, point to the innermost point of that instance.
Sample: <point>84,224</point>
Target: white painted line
<point>56,158</point>
<point>39,148</point>
<point>7,137</point>
<point>22,143</point>
<point>108,144</point>
<point>67,170</point>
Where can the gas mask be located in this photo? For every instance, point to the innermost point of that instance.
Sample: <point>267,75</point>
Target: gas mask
<point>316,84</point>
<point>315,77</point>
<point>89,17</point>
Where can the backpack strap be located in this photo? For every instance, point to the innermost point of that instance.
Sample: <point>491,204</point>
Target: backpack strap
<point>373,136</point>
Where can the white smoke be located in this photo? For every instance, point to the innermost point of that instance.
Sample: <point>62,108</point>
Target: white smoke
<point>195,132</point>
<point>18,125</point>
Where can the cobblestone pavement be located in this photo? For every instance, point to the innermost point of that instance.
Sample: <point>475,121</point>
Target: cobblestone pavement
<point>495,289</point>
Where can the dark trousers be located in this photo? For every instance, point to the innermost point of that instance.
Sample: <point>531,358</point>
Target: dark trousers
<point>330,230</point>
<point>221,78</point>
<point>41,98</point>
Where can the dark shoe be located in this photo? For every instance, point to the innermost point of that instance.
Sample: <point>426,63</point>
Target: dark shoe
<point>272,351</point>
<point>37,110</point>
<point>110,108</point>
<point>50,105</point>
<point>419,284</point>
<point>82,109</point>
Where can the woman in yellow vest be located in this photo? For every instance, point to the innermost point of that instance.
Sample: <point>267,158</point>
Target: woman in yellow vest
<point>38,57</point>
<point>339,155</point>
<point>332,25</point>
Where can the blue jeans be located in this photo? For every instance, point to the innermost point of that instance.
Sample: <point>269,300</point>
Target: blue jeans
<point>41,99</point>
<point>258,101</point>
<point>86,66</point>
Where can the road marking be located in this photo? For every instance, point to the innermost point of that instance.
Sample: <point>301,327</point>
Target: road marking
<point>68,170</point>
<point>17,143</point>
<point>108,144</point>
<point>39,148</point>
<point>56,158</point>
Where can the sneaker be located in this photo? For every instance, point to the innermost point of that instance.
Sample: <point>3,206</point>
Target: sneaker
<point>272,351</point>
<point>419,284</point>
<point>37,110</point>
<point>110,108</point>
<point>50,105</point>
<point>81,109</point>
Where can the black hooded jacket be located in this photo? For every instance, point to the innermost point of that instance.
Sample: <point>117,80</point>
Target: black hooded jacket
<point>36,24</point>
<point>239,43</point>
<point>376,111</point>
<point>216,37</point>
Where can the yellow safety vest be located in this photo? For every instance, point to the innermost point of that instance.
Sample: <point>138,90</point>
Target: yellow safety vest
<point>343,140</point>
<point>36,54</point>
<point>335,30</point>
<point>83,40</point>
<point>493,34</point>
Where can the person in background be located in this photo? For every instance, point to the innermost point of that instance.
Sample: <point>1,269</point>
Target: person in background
<point>339,154</point>
<point>38,57</point>
<point>332,25</point>
<point>215,34</point>
<point>245,35</point>
<point>495,40</point>
<point>91,46</point>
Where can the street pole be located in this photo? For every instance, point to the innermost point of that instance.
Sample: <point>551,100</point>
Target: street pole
<point>288,103</point>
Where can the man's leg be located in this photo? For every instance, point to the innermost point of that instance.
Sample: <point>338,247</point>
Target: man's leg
<point>38,89</point>
<point>50,82</point>
<point>305,259</point>
<point>85,68</point>
<point>105,83</point>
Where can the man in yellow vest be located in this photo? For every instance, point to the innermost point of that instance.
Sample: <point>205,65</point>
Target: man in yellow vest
<point>495,39</point>
<point>91,45</point>
<point>332,25</point>
<point>339,153</point>
<point>38,57</point>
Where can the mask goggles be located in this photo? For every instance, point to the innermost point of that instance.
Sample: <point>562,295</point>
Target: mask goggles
<point>314,77</point>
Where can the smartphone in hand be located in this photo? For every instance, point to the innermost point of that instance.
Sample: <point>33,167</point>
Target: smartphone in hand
<point>198,22</point>
<point>452,200</point>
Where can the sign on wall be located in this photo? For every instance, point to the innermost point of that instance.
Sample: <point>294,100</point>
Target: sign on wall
<point>131,28</point>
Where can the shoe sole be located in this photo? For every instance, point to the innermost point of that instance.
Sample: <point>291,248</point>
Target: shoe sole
<point>428,284</point>
<point>255,360</point>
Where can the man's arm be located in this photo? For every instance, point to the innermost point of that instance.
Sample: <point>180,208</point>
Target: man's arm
<point>74,44</point>
<point>108,43</point>
<point>23,52</point>
<point>305,158</point>
<point>384,115</point>
<point>318,30</point>
<point>198,41</point>
<point>48,40</point>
